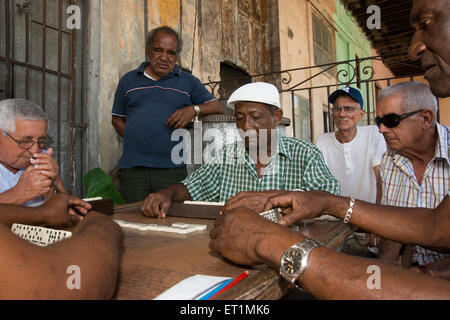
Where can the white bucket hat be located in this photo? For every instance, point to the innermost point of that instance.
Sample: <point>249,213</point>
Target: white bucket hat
<point>261,92</point>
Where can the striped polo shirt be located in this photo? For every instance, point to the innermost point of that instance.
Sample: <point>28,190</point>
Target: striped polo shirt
<point>401,188</point>
<point>147,104</point>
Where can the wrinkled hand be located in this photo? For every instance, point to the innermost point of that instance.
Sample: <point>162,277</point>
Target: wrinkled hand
<point>181,118</point>
<point>253,200</point>
<point>32,183</point>
<point>59,210</point>
<point>46,164</point>
<point>298,205</point>
<point>156,205</point>
<point>236,234</point>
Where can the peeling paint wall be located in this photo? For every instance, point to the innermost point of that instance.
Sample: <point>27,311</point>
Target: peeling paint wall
<point>244,39</point>
<point>296,50</point>
<point>213,31</point>
<point>132,36</point>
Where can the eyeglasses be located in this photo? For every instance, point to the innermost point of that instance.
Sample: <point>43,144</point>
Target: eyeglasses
<point>347,109</point>
<point>43,142</point>
<point>392,120</point>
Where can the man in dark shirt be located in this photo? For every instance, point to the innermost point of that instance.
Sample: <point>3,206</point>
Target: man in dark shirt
<point>149,104</point>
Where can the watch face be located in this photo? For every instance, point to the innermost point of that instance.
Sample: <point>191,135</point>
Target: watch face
<point>292,261</point>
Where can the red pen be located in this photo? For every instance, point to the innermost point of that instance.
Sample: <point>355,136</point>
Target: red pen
<point>238,279</point>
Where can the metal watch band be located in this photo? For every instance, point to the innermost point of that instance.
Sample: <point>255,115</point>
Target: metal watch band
<point>197,110</point>
<point>305,247</point>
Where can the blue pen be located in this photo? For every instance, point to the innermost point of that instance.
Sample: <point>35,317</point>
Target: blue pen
<point>217,289</point>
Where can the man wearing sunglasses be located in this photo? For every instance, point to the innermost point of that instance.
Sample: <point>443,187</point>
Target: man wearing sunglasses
<point>28,173</point>
<point>415,171</point>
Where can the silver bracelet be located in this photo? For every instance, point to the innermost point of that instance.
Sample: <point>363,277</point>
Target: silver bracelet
<point>349,213</point>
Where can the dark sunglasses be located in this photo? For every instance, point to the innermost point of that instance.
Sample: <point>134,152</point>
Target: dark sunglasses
<point>392,120</point>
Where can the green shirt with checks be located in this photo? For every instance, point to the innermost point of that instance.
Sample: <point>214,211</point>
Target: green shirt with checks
<point>298,164</point>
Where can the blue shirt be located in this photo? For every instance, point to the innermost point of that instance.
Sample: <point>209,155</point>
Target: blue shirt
<point>8,180</point>
<point>147,104</point>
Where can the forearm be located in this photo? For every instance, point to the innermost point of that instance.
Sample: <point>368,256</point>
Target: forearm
<point>211,107</point>
<point>333,275</point>
<point>96,251</point>
<point>439,269</point>
<point>13,196</point>
<point>32,272</point>
<point>10,214</point>
<point>388,250</point>
<point>404,225</point>
<point>178,193</point>
<point>59,185</point>
<point>119,124</point>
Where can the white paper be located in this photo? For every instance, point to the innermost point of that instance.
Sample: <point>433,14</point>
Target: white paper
<point>192,288</point>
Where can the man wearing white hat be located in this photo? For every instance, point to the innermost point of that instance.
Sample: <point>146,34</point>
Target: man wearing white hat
<point>264,161</point>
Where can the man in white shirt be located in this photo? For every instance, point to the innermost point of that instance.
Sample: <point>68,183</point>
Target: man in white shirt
<point>353,154</point>
<point>28,173</point>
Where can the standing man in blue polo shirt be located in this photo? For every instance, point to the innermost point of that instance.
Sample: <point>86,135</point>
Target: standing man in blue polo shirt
<point>149,104</point>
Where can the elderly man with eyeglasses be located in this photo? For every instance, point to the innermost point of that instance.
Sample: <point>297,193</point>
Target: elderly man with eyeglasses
<point>415,172</point>
<point>353,153</point>
<point>28,173</point>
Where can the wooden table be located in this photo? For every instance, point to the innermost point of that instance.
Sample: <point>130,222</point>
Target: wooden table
<point>155,261</point>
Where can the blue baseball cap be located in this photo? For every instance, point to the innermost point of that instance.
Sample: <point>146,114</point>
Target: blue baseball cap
<point>353,93</point>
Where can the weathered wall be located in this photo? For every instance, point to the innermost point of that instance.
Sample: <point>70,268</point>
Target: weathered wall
<point>244,41</point>
<point>213,31</point>
<point>296,50</point>
<point>351,42</point>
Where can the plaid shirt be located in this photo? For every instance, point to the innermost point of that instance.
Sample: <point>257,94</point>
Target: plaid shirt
<point>298,164</point>
<point>400,186</point>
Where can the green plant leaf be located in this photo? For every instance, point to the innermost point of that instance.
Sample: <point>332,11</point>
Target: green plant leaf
<point>98,184</point>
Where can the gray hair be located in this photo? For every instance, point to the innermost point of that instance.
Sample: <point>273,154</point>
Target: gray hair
<point>167,30</point>
<point>13,109</point>
<point>416,96</point>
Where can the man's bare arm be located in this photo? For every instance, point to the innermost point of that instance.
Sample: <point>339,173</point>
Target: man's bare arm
<point>59,185</point>
<point>54,212</point>
<point>439,269</point>
<point>244,237</point>
<point>156,205</point>
<point>31,272</point>
<point>425,227</point>
<point>211,107</point>
<point>181,117</point>
<point>119,124</point>
<point>388,250</point>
